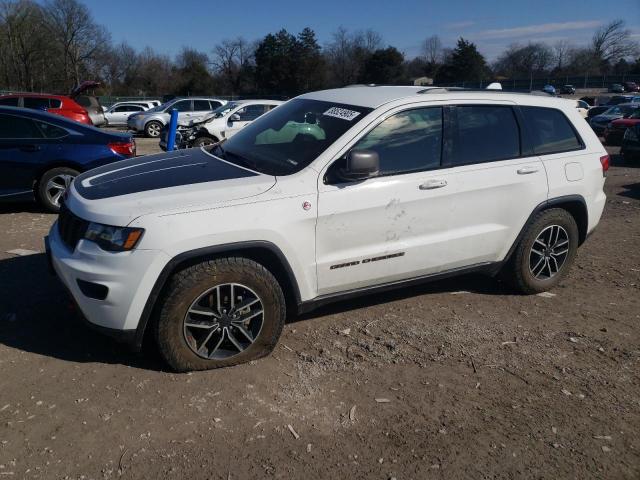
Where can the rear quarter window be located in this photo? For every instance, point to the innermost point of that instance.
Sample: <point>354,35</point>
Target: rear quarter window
<point>550,130</point>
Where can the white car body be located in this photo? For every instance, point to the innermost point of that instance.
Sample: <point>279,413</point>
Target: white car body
<point>247,111</point>
<point>189,109</point>
<point>118,113</point>
<point>418,224</point>
<point>583,108</point>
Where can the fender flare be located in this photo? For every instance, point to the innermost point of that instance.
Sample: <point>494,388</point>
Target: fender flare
<point>235,248</point>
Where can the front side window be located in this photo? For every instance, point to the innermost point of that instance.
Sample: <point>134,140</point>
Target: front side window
<point>290,137</point>
<point>250,112</point>
<point>550,130</point>
<point>9,102</point>
<point>182,106</point>
<point>407,141</point>
<point>13,127</point>
<point>483,133</point>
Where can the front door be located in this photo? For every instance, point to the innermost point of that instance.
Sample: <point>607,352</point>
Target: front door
<point>392,226</point>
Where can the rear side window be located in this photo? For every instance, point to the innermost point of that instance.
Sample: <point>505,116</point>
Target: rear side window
<point>201,105</point>
<point>10,102</point>
<point>13,127</point>
<point>407,141</point>
<point>37,103</point>
<point>550,130</point>
<point>51,131</point>
<point>482,134</point>
<point>55,103</point>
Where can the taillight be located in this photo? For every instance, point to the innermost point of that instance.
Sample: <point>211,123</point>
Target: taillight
<point>128,149</point>
<point>604,161</point>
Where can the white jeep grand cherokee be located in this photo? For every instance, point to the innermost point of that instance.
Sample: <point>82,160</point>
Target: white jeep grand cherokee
<point>332,194</point>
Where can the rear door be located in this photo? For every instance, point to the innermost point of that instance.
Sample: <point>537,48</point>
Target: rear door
<point>22,147</point>
<point>494,182</point>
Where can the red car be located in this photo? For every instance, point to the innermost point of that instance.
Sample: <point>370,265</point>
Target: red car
<point>81,108</point>
<point>615,130</point>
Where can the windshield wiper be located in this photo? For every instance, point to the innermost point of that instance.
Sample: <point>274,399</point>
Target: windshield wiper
<point>239,159</point>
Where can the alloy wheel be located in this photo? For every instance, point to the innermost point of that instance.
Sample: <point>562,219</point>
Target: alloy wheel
<point>56,186</point>
<point>549,252</point>
<point>223,321</point>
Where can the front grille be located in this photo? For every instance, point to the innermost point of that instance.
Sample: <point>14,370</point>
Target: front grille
<point>70,227</point>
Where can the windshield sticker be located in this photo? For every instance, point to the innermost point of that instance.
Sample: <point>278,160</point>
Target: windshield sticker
<point>342,113</point>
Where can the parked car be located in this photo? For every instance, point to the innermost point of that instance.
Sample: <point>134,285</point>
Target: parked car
<point>332,194</point>
<point>41,154</point>
<point>615,129</point>
<point>631,87</point>
<point>594,111</point>
<point>189,109</point>
<point>630,148</point>
<point>618,99</point>
<point>599,122</point>
<point>583,108</point>
<point>616,88</point>
<point>119,113</point>
<point>147,104</point>
<point>550,89</point>
<point>568,90</point>
<point>222,123</point>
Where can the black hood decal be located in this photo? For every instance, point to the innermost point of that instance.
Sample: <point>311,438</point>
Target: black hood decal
<point>166,170</point>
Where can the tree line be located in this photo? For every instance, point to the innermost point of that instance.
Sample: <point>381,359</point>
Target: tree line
<point>54,45</point>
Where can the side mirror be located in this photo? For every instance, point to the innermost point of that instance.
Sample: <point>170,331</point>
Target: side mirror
<point>361,164</point>
<point>234,118</point>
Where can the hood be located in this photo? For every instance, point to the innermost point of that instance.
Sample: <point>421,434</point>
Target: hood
<point>605,118</point>
<point>175,181</point>
<point>83,87</point>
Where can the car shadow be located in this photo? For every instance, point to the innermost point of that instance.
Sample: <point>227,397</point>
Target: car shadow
<point>21,207</point>
<point>44,320</point>
<point>473,283</point>
<point>38,316</point>
<point>631,191</point>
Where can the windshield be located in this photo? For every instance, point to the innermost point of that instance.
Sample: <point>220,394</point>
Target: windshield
<point>222,110</point>
<point>290,137</point>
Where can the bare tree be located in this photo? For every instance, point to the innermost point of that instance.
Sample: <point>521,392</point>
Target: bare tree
<point>612,42</point>
<point>230,59</point>
<point>76,36</point>
<point>561,50</point>
<point>432,50</point>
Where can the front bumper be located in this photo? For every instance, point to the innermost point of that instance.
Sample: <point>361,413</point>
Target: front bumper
<point>128,276</point>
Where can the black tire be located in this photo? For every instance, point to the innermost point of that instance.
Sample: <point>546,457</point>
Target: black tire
<point>518,270</point>
<point>203,141</point>
<point>50,197</point>
<point>152,129</point>
<point>188,285</point>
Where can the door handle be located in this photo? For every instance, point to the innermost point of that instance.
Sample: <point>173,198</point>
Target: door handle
<point>29,148</point>
<point>527,170</point>
<point>432,184</point>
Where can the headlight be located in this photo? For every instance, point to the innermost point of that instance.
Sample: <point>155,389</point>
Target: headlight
<point>113,239</point>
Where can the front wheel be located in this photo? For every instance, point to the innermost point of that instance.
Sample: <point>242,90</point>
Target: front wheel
<point>203,142</point>
<point>219,313</point>
<point>545,252</point>
<point>153,129</point>
<point>52,186</point>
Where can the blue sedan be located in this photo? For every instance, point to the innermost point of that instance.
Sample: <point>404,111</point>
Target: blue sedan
<point>41,154</point>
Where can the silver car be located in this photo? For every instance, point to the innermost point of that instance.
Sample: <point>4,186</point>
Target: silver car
<point>189,109</point>
<point>119,113</point>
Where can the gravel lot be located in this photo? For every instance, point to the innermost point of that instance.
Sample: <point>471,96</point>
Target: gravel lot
<point>455,379</point>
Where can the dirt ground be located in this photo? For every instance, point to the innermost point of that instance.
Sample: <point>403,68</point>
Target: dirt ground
<point>455,379</point>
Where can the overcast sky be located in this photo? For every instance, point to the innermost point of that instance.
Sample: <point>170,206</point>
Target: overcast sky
<point>167,25</point>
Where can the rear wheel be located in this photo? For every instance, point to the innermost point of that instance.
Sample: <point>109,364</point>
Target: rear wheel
<point>152,129</point>
<point>52,185</point>
<point>219,313</point>
<point>545,253</point>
